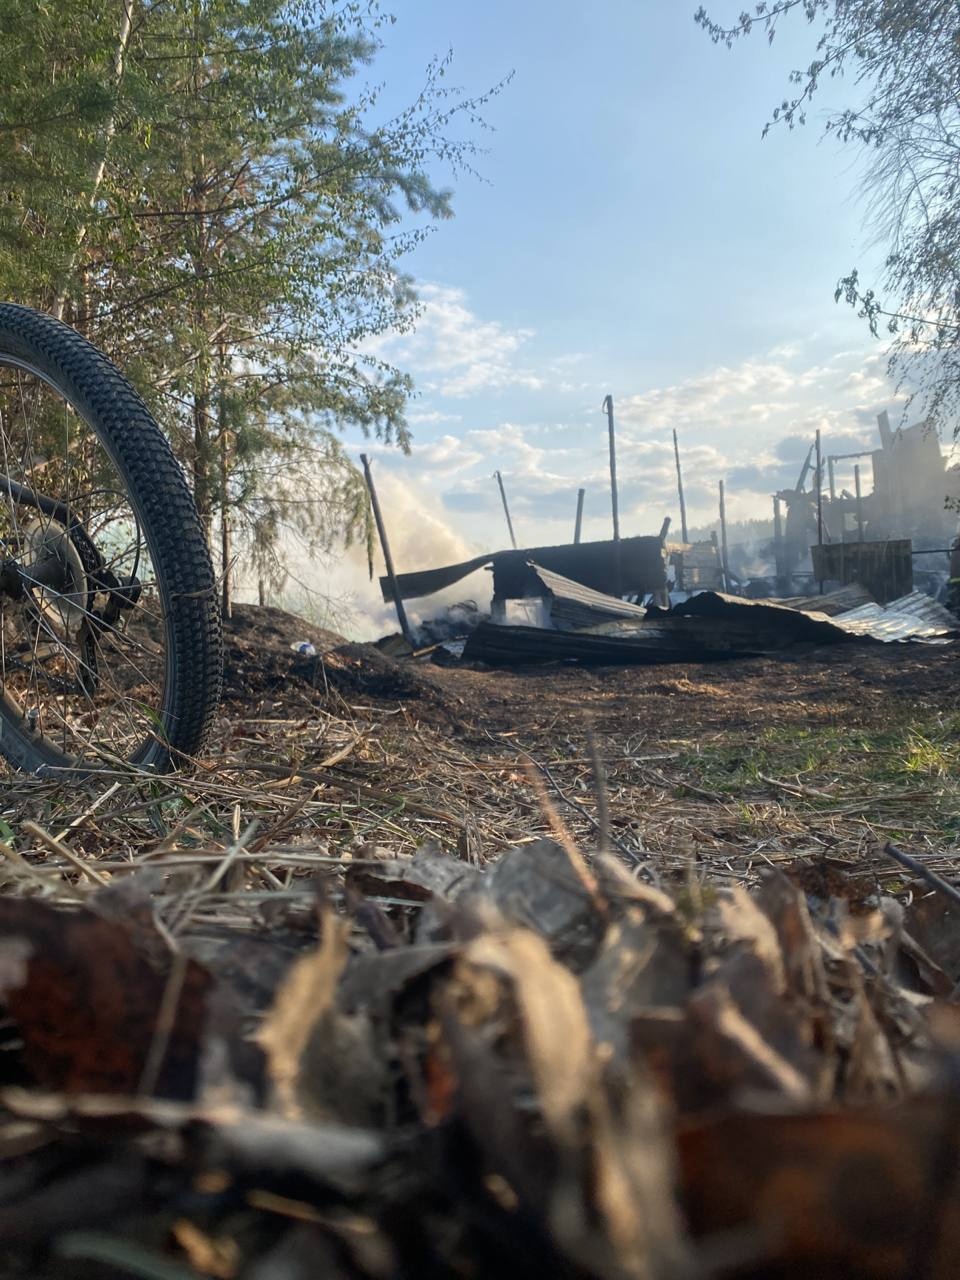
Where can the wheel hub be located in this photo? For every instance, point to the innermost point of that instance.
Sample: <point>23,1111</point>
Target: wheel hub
<point>50,567</point>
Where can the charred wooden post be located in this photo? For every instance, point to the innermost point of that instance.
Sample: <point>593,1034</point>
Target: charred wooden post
<point>614,496</point>
<point>683,505</point>
<point>886,435</point>
<point>724,562</point>
<point>716,548</point>
<point>778,556</point>
<point>506,509</point>
<point>819,498</point>
<point>663,597</point>
<point>614,500</point>
<point>578,525</point>
<point>387,557</point>
<point>856,486</point>
<point>832,478</point>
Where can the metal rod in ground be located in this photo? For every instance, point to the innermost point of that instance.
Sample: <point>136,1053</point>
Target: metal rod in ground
<point>683,505</point>
<point>387,557</point>
<point>819,499</point>
<point>614,501</point>
<point>778,557</point>
<point>506,509</point>
<point>724,562</point>
<point>856,486</point>
<point>600,787</point>
<point>920,869</point>
<point>578,525</point>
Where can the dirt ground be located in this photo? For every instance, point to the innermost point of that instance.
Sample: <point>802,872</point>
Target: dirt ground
<point>712,771</point>
<point>854,685</point>
<point>720,767</point>
<point>328,1004</point>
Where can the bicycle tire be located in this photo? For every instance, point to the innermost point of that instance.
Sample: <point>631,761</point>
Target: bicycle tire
<point>97,395</point>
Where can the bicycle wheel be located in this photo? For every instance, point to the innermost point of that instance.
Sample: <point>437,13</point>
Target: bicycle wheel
<point>110,644</point>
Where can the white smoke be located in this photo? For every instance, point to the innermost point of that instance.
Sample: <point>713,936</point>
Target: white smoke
<point>335,591</point>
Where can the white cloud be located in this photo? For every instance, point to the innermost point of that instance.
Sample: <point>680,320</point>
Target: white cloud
<point>447,455</point>
<point>452,351</point>
<point>757,390</point>
<point>432,417</point>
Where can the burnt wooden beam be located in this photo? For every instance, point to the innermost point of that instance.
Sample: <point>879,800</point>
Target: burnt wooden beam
<point>387,557</point>
<point>506,510</point>
<point>724,562</point>
<point>683,505</point>
<point>614,497</point>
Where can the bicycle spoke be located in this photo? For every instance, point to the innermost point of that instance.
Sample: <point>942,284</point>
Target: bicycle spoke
<point>82,676</point>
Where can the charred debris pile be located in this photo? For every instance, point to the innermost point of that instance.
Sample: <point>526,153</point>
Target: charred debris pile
<point>541,615</point>
<point>551,1066</point>
<point>842,565</point>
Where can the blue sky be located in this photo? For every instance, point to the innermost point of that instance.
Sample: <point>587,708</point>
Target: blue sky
<point>634,235</point>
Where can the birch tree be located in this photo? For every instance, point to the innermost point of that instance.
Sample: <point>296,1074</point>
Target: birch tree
<point>901,62</point>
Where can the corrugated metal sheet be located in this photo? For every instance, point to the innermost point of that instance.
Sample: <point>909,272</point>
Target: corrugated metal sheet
<point>707,627</point>
<point>632,565</point>
<point>427,581</point>
<point>913,617</point>
<point>640,644</point>
<point>574,606</point>
<point>831,603</point>
<point>772,623</point>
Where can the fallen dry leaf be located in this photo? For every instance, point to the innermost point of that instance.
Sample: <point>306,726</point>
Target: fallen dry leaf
<point>92,1009</point>
<point>866,1194</point>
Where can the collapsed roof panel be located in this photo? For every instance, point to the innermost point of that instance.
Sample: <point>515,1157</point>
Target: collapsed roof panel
<point>632,566</point>
<point>428,581</point>
<point>711,626</point>
<point>574,606</point>
<point>913,617</point>
<point>606,646</point>
<point>831,602</point>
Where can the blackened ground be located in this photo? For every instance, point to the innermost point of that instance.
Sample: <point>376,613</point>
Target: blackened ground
<point>261,667</point>
<point>859,685</point>
<point>257,653</point>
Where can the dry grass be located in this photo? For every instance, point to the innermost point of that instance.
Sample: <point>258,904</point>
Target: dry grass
<point>281,800</point>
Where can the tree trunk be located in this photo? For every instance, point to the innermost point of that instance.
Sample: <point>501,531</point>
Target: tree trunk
<point>226,550</point>
<point>201,456</point>
<point>96,178</point>
<point>226,556</point>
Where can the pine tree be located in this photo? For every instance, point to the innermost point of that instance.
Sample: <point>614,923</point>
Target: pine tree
<point>206,198</point>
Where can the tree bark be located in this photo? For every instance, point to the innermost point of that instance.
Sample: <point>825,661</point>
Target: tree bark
<point>201,456</point>
<point>96,178</point>
<point>226,548</point>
